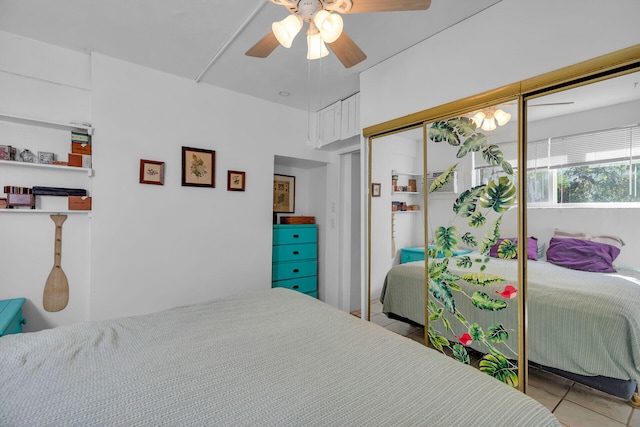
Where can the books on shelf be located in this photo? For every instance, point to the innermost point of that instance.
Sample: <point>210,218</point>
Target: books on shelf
<point>14,189</point>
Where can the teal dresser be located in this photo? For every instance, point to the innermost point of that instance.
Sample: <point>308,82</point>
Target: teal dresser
<point>416,253</point>
<point>11,319</point>
<point>295,258</point>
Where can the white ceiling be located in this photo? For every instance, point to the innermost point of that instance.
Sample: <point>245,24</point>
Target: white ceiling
<point>182,36</point>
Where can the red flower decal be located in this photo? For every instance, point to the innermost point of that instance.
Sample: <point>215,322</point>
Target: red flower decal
<point>465,339</point>
<point>508,292</point>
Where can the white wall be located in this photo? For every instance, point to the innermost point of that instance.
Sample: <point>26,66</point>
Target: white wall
<point>147,247</point>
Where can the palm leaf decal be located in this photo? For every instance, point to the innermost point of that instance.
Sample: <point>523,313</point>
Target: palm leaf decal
<point>477,220</point>
<point>484,302</point>
<point>466,202</point>
<point>437,340</point>
<point>437,268</point>
<point>476,332</point>
<point>491,237</point>
<point>469,240</point>
<point>464,126</point>
<point>506,167</point>
<point>475,143</point>
<point>442,131</point>
<point>492,155</point>
<point>482,279</point>
<point>498,367</point>
<point>507,249</point>
<point>464,262</point>
<point>446,240</point>
<point>497,333</point>
<point>460,353</point>
<point>499,195</point>
<point>441,291</point>
<point>443,179</point>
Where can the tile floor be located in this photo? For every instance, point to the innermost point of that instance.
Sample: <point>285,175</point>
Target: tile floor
<point>573,404</point>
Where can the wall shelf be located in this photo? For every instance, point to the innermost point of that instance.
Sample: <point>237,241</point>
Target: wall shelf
<point>46,123</point>
<point>88,171</point>
<point>42,211</point>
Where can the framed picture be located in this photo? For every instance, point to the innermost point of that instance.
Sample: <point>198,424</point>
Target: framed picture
<point>375,189</point>
<point>235,181</point>
<point>151,172</point>
<point>198,167</point>
<point>45,158</point>
<point>284,193</point>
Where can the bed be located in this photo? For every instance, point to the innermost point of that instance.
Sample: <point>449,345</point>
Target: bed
<point>273,357</point>
<point>582,325</point>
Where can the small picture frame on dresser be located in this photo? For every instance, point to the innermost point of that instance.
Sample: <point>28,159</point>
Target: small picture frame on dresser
<point>151,172</point>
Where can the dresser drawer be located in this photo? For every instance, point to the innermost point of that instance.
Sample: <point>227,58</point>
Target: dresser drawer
<point>295,252</point>
<point>411,254</point>
<point>289,234</point>
<point>293,270</point>
<point>11,319</point>
<point>304,284</point>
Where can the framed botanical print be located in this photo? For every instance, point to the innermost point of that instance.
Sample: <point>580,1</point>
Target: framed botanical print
<point>235,180</point>
<point>284,193</point>
<point>198,167</point>
<point>151,172</point>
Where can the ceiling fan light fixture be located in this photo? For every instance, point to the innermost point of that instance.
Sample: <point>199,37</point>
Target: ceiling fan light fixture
<point>478,118</point>
<point>287,29</point>
<point>501,117</point>
<point>489,124</point>
<point>316,48</point>
<point>329,24</point>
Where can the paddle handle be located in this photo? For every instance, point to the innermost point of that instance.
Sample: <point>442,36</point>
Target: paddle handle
<point>57,249</point>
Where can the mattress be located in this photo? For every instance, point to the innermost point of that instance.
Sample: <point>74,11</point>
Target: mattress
<point>580,322</point>
<point>273,357</point>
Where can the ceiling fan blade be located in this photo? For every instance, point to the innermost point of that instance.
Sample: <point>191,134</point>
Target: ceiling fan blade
<point>264,47</point>
<point>361,6</point>
<point>347,51</point>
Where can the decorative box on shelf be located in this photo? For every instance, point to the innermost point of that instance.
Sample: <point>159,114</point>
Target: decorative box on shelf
<point>297,220</point>
<point>21,200</point>
<point>79,203</point>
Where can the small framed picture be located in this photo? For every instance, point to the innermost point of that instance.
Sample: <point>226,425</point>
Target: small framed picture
<point>151,172</point>
<point>284,193</point>
<point>375,189</point>
<point>198,167</point>
<point>235,180</point>
<point>45,158</point>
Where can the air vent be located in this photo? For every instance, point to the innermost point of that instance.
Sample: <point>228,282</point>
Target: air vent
<point>451,187</point>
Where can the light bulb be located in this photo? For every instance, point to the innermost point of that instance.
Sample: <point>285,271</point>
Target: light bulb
<point>501,117</point>
<point>329,24</point>
<point>287,29</point>
<point>489,124</point>
<point>316,47</point>
<point>478,118</point>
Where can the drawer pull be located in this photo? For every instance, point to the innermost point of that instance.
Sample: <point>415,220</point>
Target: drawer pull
<point>295,236</point>
<point>295,270</point>
<point>295,286</point>
<point>296,253</point>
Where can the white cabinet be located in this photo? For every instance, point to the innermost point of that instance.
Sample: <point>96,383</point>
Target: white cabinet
<point>44,136</point>
<point>339,121</point>
<point>350,117</point>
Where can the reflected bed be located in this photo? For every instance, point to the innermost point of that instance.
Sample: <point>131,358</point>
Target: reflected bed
<point>583,323</point>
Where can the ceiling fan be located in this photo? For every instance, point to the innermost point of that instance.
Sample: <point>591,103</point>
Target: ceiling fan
<point>325,26</point>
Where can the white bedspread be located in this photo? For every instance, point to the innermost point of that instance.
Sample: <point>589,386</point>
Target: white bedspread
<point>273,357</point>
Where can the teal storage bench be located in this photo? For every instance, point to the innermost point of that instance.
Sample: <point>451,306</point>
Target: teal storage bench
<point>295,258</point>
<point>11,319</point>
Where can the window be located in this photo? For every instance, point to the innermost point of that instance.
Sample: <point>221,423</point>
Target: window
<point>595,167</point>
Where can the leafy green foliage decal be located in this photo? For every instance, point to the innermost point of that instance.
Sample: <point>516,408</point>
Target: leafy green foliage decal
<point>498,367</point>
<point>443,179</point>
<point>499,195</point>
<point>507,249</point>
<point>484,302</point>
<point>480,211</point>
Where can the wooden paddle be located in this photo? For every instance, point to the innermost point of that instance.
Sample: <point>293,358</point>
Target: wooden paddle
<point>56,289</point>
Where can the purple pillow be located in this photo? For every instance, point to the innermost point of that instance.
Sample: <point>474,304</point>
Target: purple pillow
<point>582,255</point>
<point>532,248</point>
